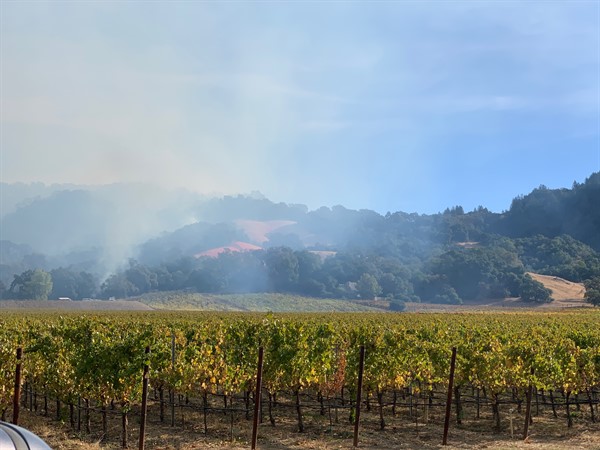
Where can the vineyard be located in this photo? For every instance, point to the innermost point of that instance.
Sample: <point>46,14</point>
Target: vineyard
<point>87,370</point>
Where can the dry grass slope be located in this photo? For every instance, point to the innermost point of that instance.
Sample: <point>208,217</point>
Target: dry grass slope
<point>565,293</point>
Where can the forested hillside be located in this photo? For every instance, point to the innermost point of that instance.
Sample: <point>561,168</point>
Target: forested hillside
<point>450,257</point>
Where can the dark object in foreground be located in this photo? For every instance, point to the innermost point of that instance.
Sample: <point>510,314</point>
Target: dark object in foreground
<point>14,437</point>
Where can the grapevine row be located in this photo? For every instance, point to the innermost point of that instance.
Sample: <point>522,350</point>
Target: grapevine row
<point>100,357</point>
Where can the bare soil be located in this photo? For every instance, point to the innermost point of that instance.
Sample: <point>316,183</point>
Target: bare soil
<point>66,305</point>
<point>422,430</point>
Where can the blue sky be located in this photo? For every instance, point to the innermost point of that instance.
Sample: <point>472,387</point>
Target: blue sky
<point>411,106</point>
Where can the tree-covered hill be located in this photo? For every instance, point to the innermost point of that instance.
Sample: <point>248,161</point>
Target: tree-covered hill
<point>450,257</point>
<point>555,212</point>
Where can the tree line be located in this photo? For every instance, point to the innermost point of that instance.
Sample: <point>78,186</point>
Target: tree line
<point>455,275</point>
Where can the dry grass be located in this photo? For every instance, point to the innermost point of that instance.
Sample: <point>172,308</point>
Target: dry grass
<point>234,247</point>
<point>257,231</point>
<point>564,292</point>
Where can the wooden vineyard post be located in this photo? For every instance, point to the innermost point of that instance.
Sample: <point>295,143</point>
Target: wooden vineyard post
<point>528,408</point>
<point>78,413</point>
<point>257,397</point>
<point>17,393</point>
<point>124,424</point>
<point>144,402</point>
<point>172,392</point>
<point>361,366</point>
<point>449,399</point>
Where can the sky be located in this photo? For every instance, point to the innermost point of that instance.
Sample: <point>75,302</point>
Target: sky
<point>389,106</point>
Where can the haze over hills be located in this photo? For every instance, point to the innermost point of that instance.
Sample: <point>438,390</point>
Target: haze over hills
<point>135,238</point>
<point>410,106</point>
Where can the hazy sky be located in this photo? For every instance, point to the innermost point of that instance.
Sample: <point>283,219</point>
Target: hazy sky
<point>411,106</point>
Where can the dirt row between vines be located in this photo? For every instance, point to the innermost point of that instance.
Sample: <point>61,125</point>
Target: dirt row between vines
<point>546,432</point>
